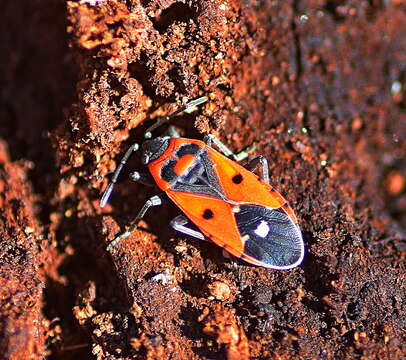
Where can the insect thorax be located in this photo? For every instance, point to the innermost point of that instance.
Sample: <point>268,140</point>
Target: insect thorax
<point>190,169</point>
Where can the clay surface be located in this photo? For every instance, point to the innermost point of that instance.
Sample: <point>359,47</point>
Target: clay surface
<point>318,86</point>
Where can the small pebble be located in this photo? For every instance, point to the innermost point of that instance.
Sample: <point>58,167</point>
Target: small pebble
<point>219,290</point>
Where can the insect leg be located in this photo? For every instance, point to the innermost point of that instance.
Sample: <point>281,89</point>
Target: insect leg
<point>259,160</point>
<point>211,139</point>
<point>188,108</point>
<point>179,224</point>
<point>109,189</point>
<point>172,132</point>
<point>143,178</point>
<point>153,201</point>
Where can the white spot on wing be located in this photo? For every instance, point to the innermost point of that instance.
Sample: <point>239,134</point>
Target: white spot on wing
<point>263,229</point>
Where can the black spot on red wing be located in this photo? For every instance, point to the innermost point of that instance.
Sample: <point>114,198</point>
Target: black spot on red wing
<point>237,179</point>
<point>273,238</point>
<point>208,214</point>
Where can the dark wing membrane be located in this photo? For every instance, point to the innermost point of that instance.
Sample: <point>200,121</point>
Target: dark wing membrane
<point>270,236</point>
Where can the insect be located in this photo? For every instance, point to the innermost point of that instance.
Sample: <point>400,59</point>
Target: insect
<point>221,200</point>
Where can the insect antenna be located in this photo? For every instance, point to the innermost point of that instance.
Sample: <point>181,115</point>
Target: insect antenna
<point>109,189</point>
<point>188,108</point>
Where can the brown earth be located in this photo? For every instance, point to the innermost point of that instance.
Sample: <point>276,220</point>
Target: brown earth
<point>319,86</point>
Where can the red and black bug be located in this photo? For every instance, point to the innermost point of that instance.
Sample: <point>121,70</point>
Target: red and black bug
<point>221,200</point>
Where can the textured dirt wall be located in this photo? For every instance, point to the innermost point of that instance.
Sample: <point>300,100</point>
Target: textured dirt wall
<point>319,88</point>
